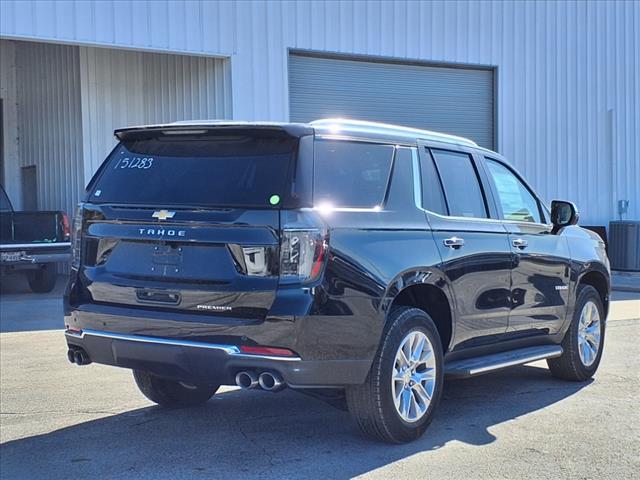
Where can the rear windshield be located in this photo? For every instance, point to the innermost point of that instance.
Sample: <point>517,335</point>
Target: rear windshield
<point>351,174</point>
<point>245,170</point>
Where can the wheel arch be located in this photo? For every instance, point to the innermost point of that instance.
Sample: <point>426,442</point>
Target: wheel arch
<point>599,279</point>
<point>427,290</point>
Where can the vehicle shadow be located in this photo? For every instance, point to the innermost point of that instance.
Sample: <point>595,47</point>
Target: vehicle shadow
<point>258,434</point>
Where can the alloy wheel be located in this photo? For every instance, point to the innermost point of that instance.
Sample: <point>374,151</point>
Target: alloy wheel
<point>589,333</point>
<point>414,376</point>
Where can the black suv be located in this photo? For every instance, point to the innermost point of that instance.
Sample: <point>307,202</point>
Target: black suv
<point>353,261</point>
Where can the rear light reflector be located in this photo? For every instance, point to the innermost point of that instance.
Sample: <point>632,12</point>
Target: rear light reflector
<point>272,351</point>
<point>302,255</point>
<point>76,236</point>
<point>66,228</point>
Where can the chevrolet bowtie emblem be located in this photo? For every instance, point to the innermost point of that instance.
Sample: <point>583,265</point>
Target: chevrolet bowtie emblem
<point>163,214</point>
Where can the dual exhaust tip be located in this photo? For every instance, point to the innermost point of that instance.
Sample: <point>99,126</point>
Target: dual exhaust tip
<point>269,381</point>
<point>78,356</point>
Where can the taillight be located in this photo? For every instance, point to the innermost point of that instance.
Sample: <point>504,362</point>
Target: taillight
<point>302,254</point>
<point>76,236</point>
<point>66,228</point>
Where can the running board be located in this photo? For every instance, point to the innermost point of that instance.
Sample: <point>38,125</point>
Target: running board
<point>470,367</point>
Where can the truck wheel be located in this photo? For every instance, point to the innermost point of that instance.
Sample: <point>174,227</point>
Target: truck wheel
<point>172,393</point>
<point>42,280</point>
<point>403,387</point>
<point>583,342</point>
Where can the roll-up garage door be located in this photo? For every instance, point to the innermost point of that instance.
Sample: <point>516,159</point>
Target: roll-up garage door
<point>451,100</point>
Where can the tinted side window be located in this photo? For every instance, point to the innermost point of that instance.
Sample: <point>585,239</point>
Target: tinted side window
<point>516,200</point>
<point>350,174</point>
<point>432,194</point>
<point>461,184</point>
<point>5,205</point>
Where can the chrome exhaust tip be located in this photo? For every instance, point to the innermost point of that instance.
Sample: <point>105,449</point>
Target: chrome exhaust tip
<point>271,382</point>
<point>79,357</point>
<point>247,380</point>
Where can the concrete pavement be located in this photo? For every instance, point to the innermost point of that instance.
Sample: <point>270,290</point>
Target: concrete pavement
<point>625,281</point>
<point>59,420</point>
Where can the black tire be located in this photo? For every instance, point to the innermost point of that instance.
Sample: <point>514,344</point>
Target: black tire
<point>371,404</point>
<point>172,393</point>
<point>42,280</point>
<point>569,365</point>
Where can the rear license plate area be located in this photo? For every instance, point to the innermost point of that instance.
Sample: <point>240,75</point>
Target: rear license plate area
<point>167,255</point>
<point>12,256</point>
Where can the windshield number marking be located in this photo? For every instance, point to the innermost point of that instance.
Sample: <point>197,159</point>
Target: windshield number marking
<point>135,162</point>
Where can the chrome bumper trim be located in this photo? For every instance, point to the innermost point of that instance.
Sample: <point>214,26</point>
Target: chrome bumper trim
<point>232,350</point>
<point>17,246</point>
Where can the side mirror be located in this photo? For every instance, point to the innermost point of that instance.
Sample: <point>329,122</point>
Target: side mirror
<point>563,214</point>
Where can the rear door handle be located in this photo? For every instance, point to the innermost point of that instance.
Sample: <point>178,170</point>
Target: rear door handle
<point>520,243</point>
<point>453,242</point>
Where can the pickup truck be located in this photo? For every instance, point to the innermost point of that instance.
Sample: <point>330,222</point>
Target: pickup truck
<point>33,242</point>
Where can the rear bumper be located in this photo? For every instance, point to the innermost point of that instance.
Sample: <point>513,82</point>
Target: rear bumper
<point>210,362</point>
<point>31,256</point>
<point>39,259</point>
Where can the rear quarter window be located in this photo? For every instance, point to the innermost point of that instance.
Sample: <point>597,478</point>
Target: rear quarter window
<point>351,174</point>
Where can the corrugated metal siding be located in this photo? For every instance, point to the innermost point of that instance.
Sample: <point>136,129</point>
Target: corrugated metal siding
<point>122,88</point>
<point>568,80</point>
<point>163,25</point>
<point>450,100</point>
<point>8,93</point>
<point>49,122</point>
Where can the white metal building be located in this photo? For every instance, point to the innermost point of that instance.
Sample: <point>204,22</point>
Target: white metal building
<point>554,86</point>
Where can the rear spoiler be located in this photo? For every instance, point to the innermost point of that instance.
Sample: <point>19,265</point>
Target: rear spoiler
<point>192,128</point>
